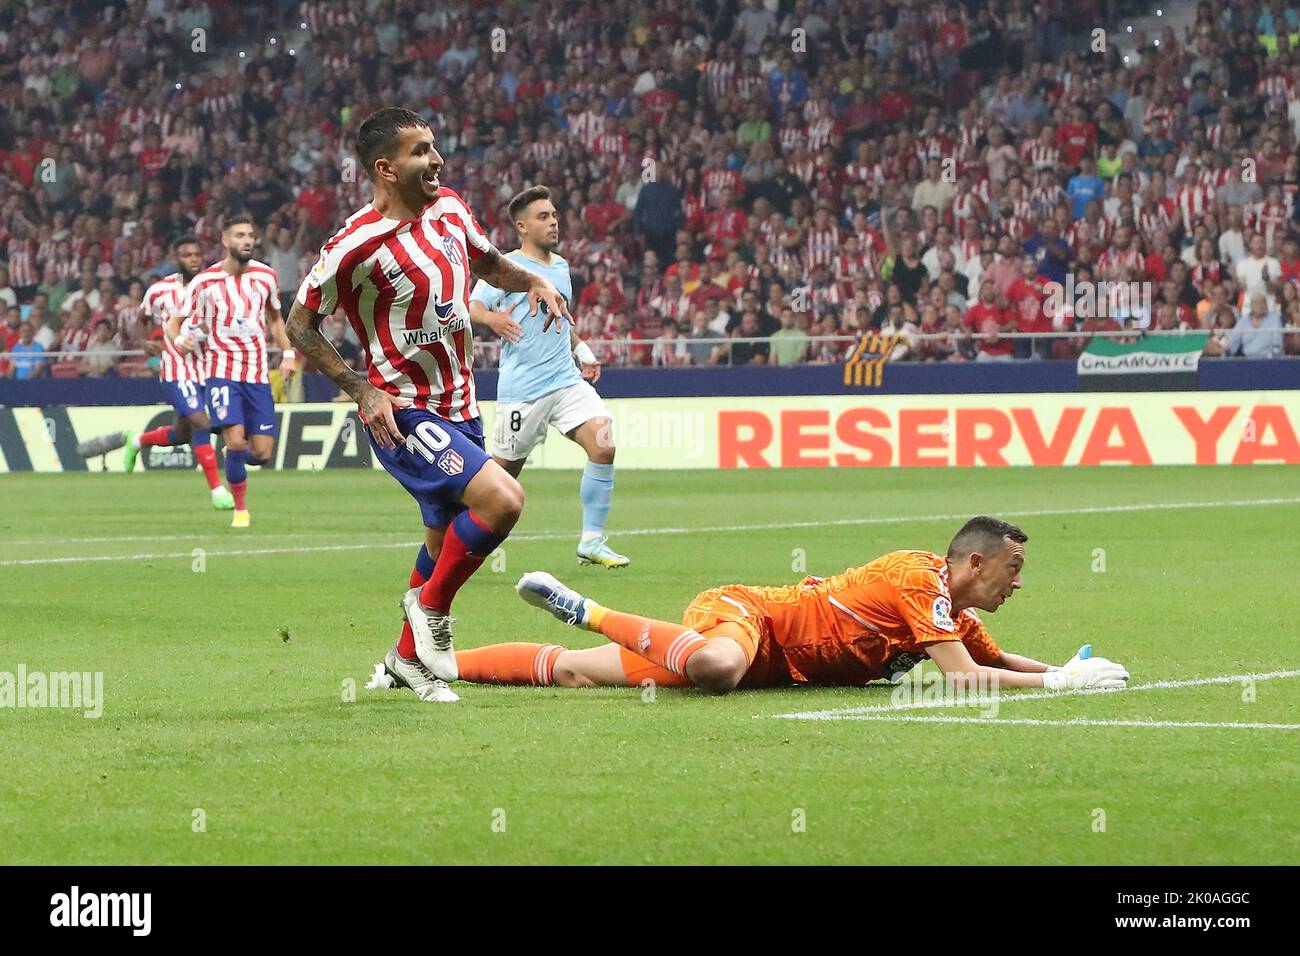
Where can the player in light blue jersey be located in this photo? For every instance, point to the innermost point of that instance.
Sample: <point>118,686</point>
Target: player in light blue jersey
<point>539,385</point>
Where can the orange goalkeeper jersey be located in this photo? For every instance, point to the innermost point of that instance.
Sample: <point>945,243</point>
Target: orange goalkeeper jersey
<point>854,627</point>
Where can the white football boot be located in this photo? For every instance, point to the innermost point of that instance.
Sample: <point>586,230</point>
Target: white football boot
<point>432,631</point>
<point>541,589</point>
<point>416,676</point>
<point>597,551</point>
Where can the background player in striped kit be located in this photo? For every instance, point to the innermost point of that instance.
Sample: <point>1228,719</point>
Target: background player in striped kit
<point>400,269</point>
<point>539,385</point>
<point>181,376</point>
<point>235,302</point>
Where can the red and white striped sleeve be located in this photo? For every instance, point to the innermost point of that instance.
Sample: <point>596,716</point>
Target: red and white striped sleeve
<point>477,242</point>
<point>319,290</point>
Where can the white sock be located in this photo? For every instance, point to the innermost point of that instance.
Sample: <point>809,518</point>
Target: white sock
<point>135,441</point>
<point>591,536</point>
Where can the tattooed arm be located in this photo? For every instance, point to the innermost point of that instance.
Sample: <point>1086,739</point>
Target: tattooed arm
<point>497,270</point>
<point>375,406</point>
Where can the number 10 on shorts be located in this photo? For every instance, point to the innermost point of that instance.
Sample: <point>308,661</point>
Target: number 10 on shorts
<point>427,440</point>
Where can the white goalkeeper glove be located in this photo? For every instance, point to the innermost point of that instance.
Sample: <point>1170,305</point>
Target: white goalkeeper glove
<point>1083,670</point>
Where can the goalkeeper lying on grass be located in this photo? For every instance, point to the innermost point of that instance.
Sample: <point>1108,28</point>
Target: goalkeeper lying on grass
<point>872,622</point>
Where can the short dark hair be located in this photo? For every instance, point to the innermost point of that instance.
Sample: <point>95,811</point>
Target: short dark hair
<point>378,133</point>
<point>984,534</point>
<point>240,219</point>
<point>525,199</point>
<point>186,240</point>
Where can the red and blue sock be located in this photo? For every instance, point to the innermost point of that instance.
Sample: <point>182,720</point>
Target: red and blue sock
<point>465,547</point>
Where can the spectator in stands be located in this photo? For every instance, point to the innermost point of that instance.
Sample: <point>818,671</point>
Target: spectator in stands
<point>699,344</point>
<point>98,361</point>
<point>742,352</point>
<point>1258,333</point>
<point>1258,273</point>
<point>8,297</point>
<point>25,364</point>
<point>669,348</point>
<point>790,342</point>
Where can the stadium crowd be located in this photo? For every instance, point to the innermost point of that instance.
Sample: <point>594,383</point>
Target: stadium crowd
<point>785,171</point>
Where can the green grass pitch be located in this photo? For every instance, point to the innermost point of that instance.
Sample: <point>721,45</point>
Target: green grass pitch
<point>226,687</point>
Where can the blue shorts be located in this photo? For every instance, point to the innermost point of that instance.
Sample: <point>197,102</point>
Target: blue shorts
<point>436,463</point>
<point>242,403</point>
<point>187,397</point>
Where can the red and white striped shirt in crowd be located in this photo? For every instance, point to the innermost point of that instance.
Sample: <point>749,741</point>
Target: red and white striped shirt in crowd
<point>819,132</point>
<point>611,144</point>
<point>934,146</point>
<point>232,309</point>
<point>543,151</point>
<point>675,307</point>
<point>821,246</point>
<point>718,179</point>
<point>1113,259</point>
<point>1193,202</point>
<point>218,102</point>
<point>161,301</point>
<point>65,269</point>
<point>1042,155</point>
<point>579,52</point>
<point>22,262</point>
<point>791,140</point>
<point>847,266</point>
<point>1216,179</point>
<point>825,298</point>
<point>873,174</point>
<point>719,75</point>
<point>1153,217</point>
<point>1021,208</point>
<point>1155,121</point>
<point>324,16</point>
<point>1268,217</point>
<point>967,137</point>
<point>967,206</point>
<point>750,87</point>
<point>1278,86</point>
<point>587,127</point>
<point>970,249</point>
<point>1201,273</point>
<point>404,286</point>
<point>1018,227</point>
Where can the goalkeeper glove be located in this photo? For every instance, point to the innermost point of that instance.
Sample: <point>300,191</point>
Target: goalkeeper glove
<point>1086,671</point>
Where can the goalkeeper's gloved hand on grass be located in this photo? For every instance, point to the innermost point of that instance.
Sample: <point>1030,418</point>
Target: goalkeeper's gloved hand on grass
<point>1083,670</point>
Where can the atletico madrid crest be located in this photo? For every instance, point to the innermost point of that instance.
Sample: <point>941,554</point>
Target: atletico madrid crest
<point>452,249</point>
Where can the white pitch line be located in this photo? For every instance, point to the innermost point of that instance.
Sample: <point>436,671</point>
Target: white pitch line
<point>1073,722</point>
<point>715,529</point>
<point>194,536</point>
<point>855,713</point>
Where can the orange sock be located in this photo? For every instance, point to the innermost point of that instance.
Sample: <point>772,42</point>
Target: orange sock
<point>660,642</point>
<point>636,669</point>
<point>527,664</point>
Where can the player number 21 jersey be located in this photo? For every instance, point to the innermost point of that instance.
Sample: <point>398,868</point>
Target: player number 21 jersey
<point>232,311</point>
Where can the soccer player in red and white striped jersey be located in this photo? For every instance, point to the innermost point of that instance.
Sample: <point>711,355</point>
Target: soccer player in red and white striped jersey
<point>181,375</point>
<point>401,270</point>
<point>234,303</point>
